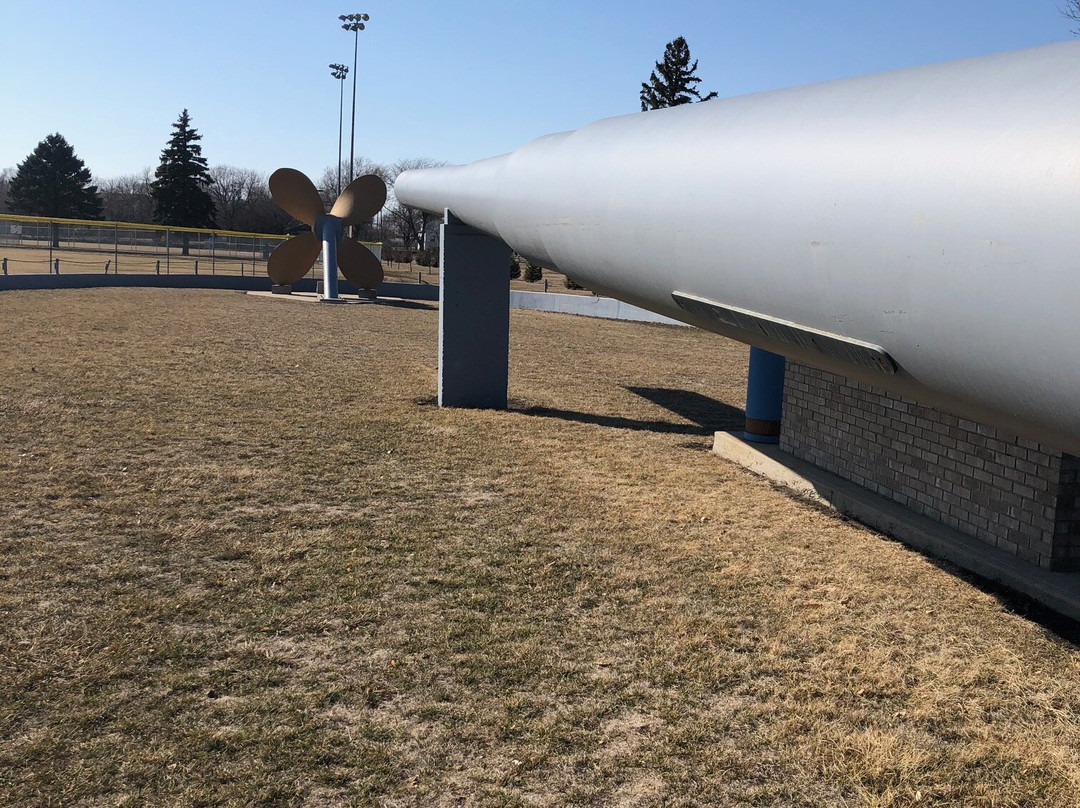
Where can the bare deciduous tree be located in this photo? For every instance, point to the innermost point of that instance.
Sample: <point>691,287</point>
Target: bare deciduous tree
<point>327,183</point>
<point>261,214</point>
<point>412,228</point>
<point>127,198</point>
<point>5,181</point>
<point>243,202</point>
<point>231,190</point>
<point>241,197</point>
<point>1071,10</point>
<point>406,226</point>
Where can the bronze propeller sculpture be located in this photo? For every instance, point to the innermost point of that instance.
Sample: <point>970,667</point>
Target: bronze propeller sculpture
<point>291,260</point>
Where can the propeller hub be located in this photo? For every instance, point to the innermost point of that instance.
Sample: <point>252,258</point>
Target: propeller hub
<point>328,226</point>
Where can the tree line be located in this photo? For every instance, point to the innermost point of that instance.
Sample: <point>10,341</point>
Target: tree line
<point>185,191</point>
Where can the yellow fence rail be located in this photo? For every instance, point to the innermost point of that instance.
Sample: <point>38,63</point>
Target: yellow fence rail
<point>96,223</point>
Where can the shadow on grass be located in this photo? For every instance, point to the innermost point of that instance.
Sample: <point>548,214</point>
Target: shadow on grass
<point>1059,625</point>
<point>406,304</point>
<point>1062,627</point>
<point>707,415</point>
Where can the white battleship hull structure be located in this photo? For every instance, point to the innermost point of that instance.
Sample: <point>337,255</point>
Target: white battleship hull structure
<point>918,230</point>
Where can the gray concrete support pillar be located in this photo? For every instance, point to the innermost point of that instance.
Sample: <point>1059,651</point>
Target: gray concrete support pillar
<point>474,317</point>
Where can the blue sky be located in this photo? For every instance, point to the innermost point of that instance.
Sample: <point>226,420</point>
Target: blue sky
<point>449,81</point>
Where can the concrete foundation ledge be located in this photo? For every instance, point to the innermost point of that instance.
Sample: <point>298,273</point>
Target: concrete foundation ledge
<point>239,283</point>
<point>1058,591</point>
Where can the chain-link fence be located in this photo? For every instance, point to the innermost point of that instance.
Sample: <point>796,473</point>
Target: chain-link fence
<point>31,244</point>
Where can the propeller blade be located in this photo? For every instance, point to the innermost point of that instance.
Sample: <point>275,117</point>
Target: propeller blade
<point>362,199</point>
<point>359,265</point>
<point>296,195</point>
<point>291,260</point>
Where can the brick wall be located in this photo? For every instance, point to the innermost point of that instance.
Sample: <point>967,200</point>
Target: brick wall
<point>1067,528</point>
<point>1007,491</point>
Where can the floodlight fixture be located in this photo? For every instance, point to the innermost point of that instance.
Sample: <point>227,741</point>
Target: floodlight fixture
<point>353,22</point>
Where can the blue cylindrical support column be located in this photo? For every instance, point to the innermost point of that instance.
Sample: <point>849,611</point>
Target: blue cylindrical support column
<point>764,396</point>
<point>329,229</point>
<point>329,268</point>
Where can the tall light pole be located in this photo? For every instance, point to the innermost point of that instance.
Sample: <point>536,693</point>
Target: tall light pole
<point>354,23</point>
<point>339,72</point>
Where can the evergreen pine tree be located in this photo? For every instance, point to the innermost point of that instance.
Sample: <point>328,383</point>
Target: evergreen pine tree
<point>533,272</point>
<point>53,181</point>
<point>673,82</point>
<point>180,191</point>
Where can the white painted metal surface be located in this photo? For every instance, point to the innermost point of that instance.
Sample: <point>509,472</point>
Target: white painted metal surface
<point>932,212</point>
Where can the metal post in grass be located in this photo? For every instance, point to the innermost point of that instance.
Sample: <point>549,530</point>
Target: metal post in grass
<point>196,266</point>
<point>5,266</point>
<point>56,266</point>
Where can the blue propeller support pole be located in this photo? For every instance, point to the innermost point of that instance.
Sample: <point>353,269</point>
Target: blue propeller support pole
<point>329,228</point>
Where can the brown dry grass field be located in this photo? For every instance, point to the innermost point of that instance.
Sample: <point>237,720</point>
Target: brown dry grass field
<point>244,560</point>
<point>36,260</point>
